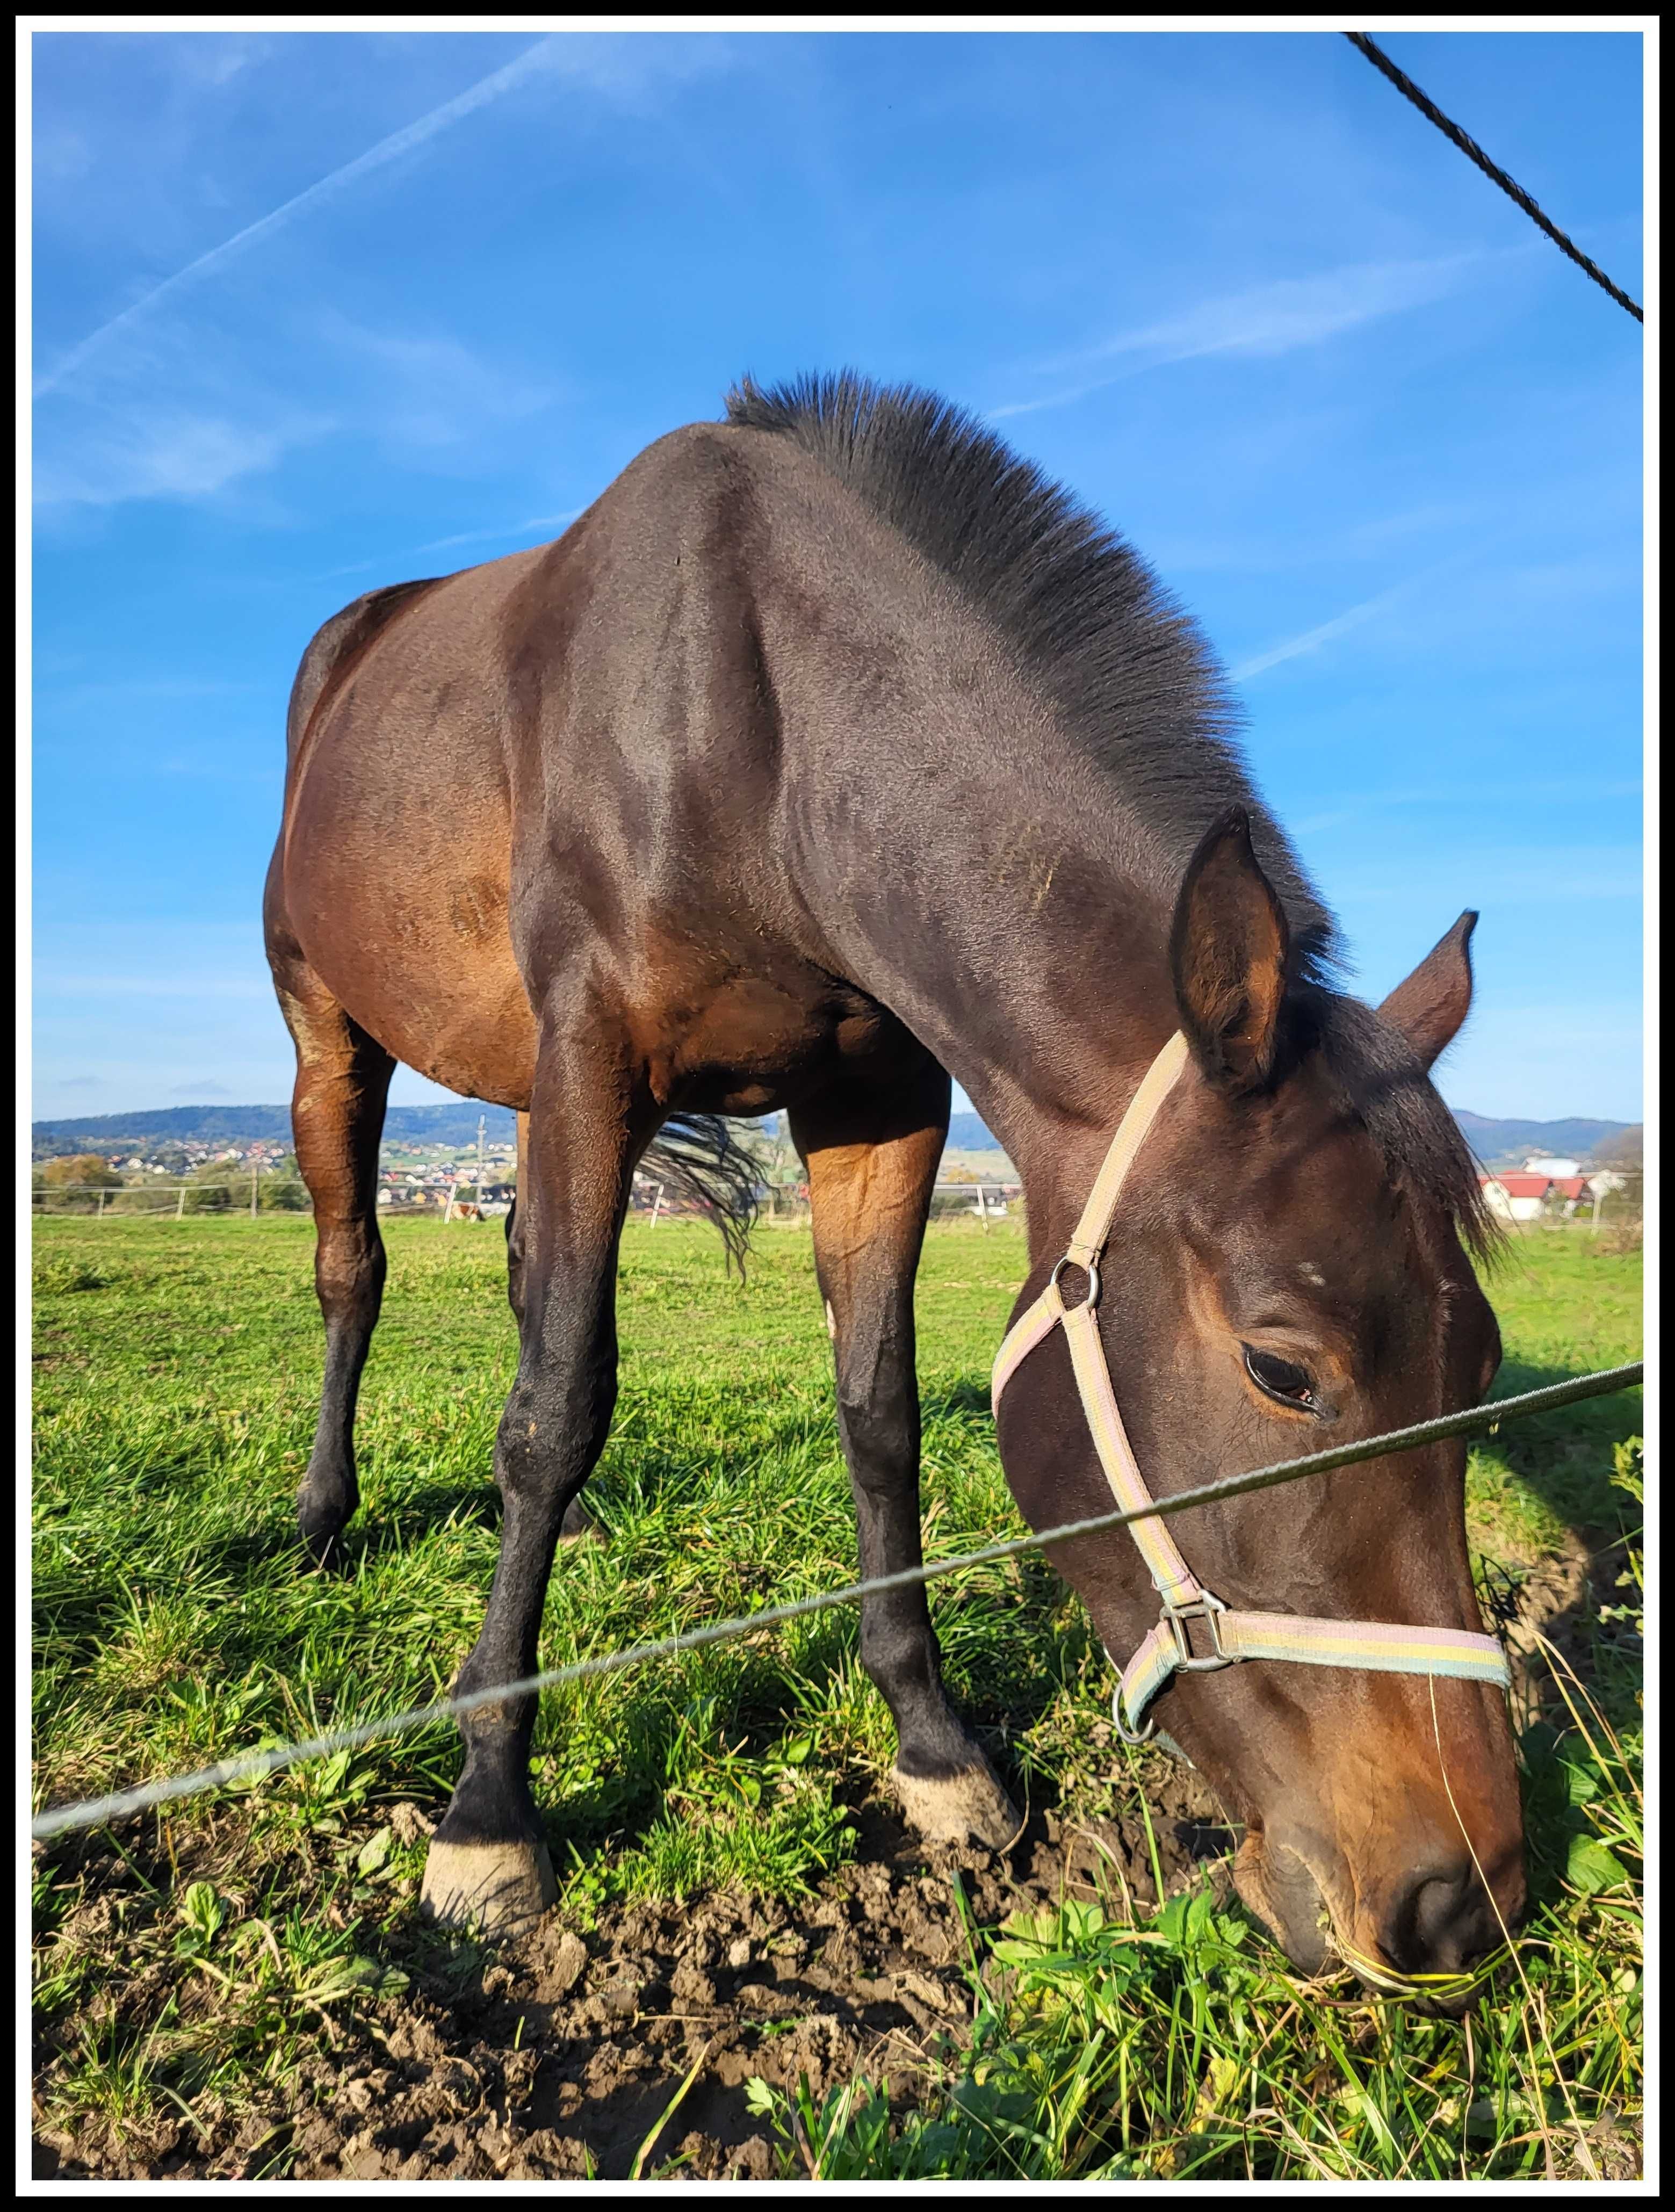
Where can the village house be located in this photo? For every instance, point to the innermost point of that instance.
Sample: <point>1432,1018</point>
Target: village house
<point>1532,1193</point>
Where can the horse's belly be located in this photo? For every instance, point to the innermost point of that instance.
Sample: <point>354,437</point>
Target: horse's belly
<point>402,913</point>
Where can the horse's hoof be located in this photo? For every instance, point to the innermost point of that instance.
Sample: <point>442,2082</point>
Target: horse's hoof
<point>954,1809</point>
<point>324,1546</point>
<point>496,1890</point>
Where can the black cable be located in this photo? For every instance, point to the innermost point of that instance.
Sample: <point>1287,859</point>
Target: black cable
<point>1473,152</point>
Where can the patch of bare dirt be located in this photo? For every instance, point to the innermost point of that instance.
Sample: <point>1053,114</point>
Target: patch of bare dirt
<point>556,2055</point>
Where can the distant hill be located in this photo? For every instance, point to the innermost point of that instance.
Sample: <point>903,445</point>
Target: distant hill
<point>454,1122</point>
<point>966,1133</point>
<point>1496,1143</point>
<point>445,1123</point>
<point>1503,1144</point>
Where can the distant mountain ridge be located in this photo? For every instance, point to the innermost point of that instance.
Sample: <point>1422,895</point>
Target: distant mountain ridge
<point>1500,1143</point>
<point>445,1123</point>
<point>1496,1142</point>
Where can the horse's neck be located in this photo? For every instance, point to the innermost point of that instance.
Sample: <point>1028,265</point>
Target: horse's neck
<point>990,905</point>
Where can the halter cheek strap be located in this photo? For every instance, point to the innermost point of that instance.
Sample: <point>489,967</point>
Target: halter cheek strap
<point>1375,1646</point>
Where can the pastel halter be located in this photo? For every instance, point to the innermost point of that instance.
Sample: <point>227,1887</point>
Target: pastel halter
<point>1379,1646</point>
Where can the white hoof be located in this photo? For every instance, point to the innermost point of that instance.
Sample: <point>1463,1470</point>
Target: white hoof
<point>495,1889</point>
<point>968,1805</point>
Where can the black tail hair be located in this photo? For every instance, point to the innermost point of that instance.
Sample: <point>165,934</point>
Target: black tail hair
<point>699,1158</point>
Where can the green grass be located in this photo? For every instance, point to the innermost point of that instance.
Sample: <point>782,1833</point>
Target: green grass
<point>176,1366</point>
<point>1176,2044</point>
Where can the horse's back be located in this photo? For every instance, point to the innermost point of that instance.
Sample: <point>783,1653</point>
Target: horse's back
<point>392,875</point>
<point>582,733</point>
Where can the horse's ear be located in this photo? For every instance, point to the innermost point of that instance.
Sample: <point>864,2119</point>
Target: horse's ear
<point>1430,1006</point>
<point>1227,953</point>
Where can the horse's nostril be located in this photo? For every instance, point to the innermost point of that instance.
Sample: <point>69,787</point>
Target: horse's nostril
<point>1443,1923</point>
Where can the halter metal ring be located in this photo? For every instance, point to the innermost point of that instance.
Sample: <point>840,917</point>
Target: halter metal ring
<point>1130,1736</point>
<point>1089,1267</point>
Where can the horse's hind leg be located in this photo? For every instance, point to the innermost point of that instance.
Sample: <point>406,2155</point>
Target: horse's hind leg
<point>343,1079</point>
<point>872,1161</point>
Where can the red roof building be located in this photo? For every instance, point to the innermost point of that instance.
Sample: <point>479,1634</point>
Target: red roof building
<point>1521,1186</point>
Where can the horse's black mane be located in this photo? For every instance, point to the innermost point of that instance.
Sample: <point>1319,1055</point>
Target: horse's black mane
<point>1131,677</point>
<point>1135,685</point>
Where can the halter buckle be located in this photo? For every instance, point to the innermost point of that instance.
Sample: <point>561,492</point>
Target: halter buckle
<point>1089,1267</point>
<point>1203,1607</point>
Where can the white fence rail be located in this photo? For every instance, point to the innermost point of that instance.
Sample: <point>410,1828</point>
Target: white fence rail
<point>781,1208</point>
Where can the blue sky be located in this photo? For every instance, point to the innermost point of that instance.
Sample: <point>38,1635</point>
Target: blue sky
<point>314,312</point>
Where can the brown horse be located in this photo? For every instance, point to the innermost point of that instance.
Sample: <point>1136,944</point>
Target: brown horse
<point>831,753</point>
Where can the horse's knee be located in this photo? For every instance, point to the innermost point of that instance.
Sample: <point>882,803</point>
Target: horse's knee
<point>550,1434</point>
<point>349,1268</point>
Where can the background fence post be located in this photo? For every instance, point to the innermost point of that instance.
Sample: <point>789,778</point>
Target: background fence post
<point>180,1205</point>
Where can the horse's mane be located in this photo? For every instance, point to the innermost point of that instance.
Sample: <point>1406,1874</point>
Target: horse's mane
<point>1133,682</point>
<point>1135,687</point>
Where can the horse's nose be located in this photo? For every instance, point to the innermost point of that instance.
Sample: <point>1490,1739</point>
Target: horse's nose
<point>1442,1921</point>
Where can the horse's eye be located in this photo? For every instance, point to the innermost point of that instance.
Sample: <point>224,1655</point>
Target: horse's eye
<point>1279,1378</point>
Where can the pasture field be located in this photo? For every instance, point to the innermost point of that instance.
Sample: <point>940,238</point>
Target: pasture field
<point>752,1969</point>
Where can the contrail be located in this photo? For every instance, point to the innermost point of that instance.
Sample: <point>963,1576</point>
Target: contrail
<point>1311,639</point>
<point>527,63</point>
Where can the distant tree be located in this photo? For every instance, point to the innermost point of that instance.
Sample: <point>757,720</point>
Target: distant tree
<point>280,1189</point>
<point>768,1143</point>
<point>74,1182</point>
<point>207,1189</point>
<point>90,1170</point>
<point>1626,1151</point>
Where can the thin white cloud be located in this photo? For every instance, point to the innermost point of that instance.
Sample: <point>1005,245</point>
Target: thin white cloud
<point>430,390</point>
<point>505,529</point>
<point>498,534</point>
<point>1297,311</point>
<point>1260,324</point>
<point>161,454</point>
<point>1311,641</point>
<point>1050,399</point>
<point>547,53</point>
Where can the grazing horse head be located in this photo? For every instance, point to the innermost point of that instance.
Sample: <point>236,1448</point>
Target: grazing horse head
<point>1285,1273</point>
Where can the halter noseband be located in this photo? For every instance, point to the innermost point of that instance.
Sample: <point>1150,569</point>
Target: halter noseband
<point>1378,1646</point>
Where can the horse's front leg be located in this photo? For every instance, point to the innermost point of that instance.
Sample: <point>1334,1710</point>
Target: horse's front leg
<point>871,1157</point>
<point>489,1865</point>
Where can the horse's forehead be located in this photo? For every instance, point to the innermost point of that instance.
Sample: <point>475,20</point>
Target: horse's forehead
<point>1303,1189</point>
<point>1303,1151</point>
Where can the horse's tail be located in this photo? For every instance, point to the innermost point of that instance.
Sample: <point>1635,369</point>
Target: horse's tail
<point>698,1158</point>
